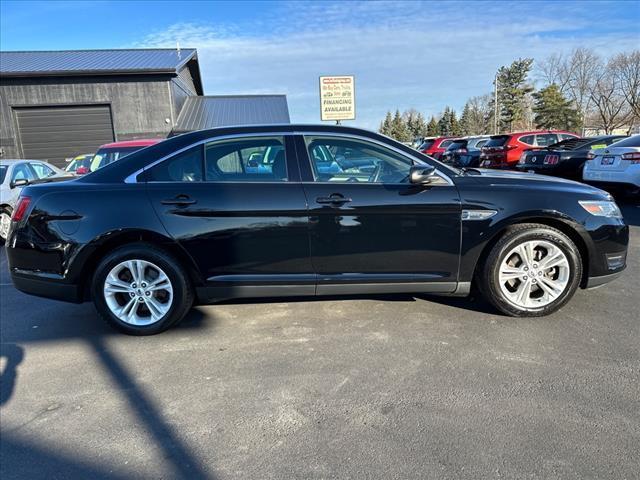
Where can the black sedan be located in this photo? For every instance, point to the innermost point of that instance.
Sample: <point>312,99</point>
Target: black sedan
<point>564,159</point>
<point>187,221</point>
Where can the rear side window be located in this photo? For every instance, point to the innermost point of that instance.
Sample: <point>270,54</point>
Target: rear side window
<point>445,143</point>
<point>497,141</point>
<point>182,167</point>
<point>481,144</point>
<point>565,136</point>
<point>633,141</point>
<point>247,160</point>
<point>457,145</point>
<point>426,145</point>
<point>528,139</point>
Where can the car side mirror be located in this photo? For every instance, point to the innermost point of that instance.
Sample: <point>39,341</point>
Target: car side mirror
<point>421,174</point>
<point>21,182</point>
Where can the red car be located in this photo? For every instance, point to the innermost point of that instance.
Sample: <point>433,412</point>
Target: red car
<point>112,152</point>
<point>504,151</point>
<point>435,147</point>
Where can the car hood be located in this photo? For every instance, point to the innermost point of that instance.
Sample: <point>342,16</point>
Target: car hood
<point>530,180</point>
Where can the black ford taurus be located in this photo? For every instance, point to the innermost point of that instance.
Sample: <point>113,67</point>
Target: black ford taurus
<point>291,210</point>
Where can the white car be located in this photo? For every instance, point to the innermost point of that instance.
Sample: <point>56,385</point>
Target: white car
<point>617,165</point>
<point>14,175</point>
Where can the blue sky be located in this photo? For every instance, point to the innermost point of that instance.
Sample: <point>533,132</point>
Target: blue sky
<point>404,54</point>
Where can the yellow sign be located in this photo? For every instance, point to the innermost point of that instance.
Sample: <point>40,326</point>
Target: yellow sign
<point>337,98</point>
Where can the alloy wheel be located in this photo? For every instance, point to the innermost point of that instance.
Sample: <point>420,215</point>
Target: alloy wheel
<point>534,274</point>
<point>138,292</point>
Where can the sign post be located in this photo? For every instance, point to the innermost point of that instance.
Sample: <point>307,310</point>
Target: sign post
<point>337,98</point>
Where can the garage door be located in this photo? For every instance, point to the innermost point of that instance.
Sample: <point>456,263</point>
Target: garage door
<point>56,133</point>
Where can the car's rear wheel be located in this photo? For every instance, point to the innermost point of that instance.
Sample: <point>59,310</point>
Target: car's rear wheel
<point>141,290</point>
<point>5,221</point>
<point>533,270</point>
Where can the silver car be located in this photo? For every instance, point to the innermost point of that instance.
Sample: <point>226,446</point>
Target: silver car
<point>615,166</point>
<point>14,175</point>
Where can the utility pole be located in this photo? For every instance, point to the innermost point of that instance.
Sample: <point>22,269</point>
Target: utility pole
<point>495,105</point>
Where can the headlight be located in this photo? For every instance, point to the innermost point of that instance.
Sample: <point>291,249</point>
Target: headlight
<point>601,208</point>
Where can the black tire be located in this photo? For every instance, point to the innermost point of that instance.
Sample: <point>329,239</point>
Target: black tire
<point>182,291</point>
<point>489,275</point>
<point>8,211</point>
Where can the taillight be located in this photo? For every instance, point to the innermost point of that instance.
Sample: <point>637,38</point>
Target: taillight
<point>551,159</point>
<point>21,209</point>
<point>633,156</point>
<point>523,158</point>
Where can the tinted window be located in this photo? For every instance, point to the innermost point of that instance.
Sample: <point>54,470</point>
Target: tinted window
<point>633,141</point>
<point>42,170</point>
<point>457,144</point>
<point>481,143</point>
<point>425,145</point>
<point>356,161</point>
<point>183,167</point>
<point>248,160</point>
<point>565,136</point>
<point>3,172</point>
<point>497,141</point>
<point>445,143</point>
<point>528,139</point>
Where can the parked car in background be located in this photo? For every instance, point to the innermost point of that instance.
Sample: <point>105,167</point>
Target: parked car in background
<point>565,158</point>
<point>465,151</point>
<point>436,147</point>
<point>504,151</point>
<point>199,228</point>
<point>616,167</point>
<point>112,152</point>
<point>16,174</point>
<point>80,165</point>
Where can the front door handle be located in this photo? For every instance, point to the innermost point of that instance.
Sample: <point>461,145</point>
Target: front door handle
<point>180,200</point>
<point>335,199</point>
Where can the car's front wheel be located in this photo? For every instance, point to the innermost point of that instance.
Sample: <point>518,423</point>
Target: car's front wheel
<point>141,290</point>
<point>5,221</point>
<point>533,270</point>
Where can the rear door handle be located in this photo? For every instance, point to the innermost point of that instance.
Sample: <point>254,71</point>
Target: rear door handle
<point>180,200</point>
<point>333,199</point>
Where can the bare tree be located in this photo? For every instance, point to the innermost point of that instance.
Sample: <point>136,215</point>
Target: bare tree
<point>574,74</point>
<point>626,68</point>
<point>611,109</point>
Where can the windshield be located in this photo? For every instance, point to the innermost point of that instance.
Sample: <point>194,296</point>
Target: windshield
<point>105,156</point>
<point>83,161</point>
<point>3,172</point>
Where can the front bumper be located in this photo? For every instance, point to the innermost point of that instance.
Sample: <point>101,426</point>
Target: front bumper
<point>623,177</point>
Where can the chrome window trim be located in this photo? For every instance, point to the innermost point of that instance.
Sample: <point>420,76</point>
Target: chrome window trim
<point>132,178</point>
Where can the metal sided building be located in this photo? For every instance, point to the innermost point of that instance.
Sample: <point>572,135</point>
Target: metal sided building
<point>58,104</point>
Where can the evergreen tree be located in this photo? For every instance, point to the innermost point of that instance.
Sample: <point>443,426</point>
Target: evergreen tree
<point>399,129</point>
<point>553,111</point>
<point>512,92</point>
<point>433,129</point>
<point>455,124</point>
<point>447,122</point>
<point>416,125</point>
<point>385,126</point>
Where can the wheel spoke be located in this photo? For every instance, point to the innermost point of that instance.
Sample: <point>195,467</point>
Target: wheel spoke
<point>115,285</point>
<point>553,260</point>
<point>523,293</point>
<point>508,272</point>
<point>155,308</point>
<point>552,287</point>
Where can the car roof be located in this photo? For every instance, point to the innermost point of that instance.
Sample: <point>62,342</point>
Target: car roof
<point>12,161</point>
<point>145,142</point>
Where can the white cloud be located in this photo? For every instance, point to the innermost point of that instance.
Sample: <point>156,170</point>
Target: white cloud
<point>403,55</point>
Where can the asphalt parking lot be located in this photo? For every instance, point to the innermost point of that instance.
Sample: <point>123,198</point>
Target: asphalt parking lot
<point>384,387</point>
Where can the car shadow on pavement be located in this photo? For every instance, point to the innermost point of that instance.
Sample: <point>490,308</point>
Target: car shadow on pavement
<point>14,355</point>
<point>54,324</point>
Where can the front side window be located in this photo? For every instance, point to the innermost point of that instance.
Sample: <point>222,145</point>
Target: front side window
<point>22,172</point>
<point>182,167</point>
<point>259,159</point>
<point>356,161</point>
<point>546,139</point>
<point>42,171</point>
